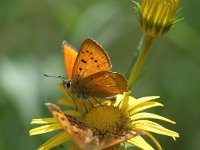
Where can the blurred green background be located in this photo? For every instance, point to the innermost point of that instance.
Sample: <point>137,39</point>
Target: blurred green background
<point>31,32</point>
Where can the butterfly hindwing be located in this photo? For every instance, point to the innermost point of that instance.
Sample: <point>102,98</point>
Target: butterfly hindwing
<point>112,139</point>
<point>59,115</point>
<point>104,84</point>
<point>80,134</point>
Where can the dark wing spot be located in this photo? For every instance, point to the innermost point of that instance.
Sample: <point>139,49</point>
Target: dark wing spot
<point>97,66</point>
<point>90,52</point>
<point>95,61</point>
<point>80,69</point>
<point>78,75</point>
<point>75,132</point>
<point>91,78</point>
<point>82,60</point>
<point>62,118</point>
<point>91,58</point>
<point>87,51</point>
<point>82,52</point>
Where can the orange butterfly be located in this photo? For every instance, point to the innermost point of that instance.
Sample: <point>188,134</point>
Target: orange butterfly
<point>82,135</point>
<point>89,72</point>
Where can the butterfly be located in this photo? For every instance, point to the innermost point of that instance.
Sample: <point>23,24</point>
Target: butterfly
<point>89,72</point>
<point>83,136</point>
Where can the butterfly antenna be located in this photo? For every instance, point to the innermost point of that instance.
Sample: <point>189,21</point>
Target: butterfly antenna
<point>59,77</point>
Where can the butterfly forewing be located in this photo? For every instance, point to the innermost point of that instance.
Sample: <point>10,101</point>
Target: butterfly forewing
<point>70,55</point>
<point>81,135</point>
<point>104,84</point>
<point>59,115</point>
<point>113,139</point>
<point>91,59</point>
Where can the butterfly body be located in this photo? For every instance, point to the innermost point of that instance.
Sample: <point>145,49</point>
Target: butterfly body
<point>90,74</point>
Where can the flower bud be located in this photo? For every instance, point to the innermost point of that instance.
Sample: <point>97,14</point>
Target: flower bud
<point>157,16</point>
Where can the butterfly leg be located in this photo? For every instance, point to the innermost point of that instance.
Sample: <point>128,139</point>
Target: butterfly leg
<point>112,98</point>
<point>86,110</point>
<point>97,101</point>
<point>73,99</point>
<point>75,104</point>
<point>90,103</point>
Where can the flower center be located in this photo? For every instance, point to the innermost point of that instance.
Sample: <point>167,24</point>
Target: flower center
<point>104,119</point>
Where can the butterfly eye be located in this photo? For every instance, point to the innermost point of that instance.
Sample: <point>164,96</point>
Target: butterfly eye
<point>66,83</point>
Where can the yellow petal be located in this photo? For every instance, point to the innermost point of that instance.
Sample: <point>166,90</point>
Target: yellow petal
<point>140,143</point>
<point>127,101</point>
<point>45,129</point>
<point>123,101</point>
<point>148,98</point>
<point>143,106</point>
<point>133,101</point>
<point>69,100</point>
<point>64,90</point>
<point>44,121</point>
<point>144,115</point>
<point>154,140</point>
<point>72,112</point>
<point>141,101</point>
<point>146,125</point>
<point>66,102</point>
<point>55,141</point>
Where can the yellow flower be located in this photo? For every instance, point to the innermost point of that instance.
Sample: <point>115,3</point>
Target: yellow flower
<point>123,117</point>
<point>157,16</point>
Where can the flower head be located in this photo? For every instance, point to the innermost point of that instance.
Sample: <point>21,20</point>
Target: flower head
<point>157,16</point>
<point>103,125</point>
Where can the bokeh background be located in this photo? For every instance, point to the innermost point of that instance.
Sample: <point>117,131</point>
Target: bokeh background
<point>31,32</point>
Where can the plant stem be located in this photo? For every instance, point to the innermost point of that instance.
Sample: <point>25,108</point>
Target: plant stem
<point>140,60</point>
<point>135,56</point>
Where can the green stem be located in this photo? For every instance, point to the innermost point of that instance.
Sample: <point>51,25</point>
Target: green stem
<point>140,60</point>
<point>135,56</point>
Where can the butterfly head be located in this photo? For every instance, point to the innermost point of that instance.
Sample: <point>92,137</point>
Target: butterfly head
<point>73,91</point>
